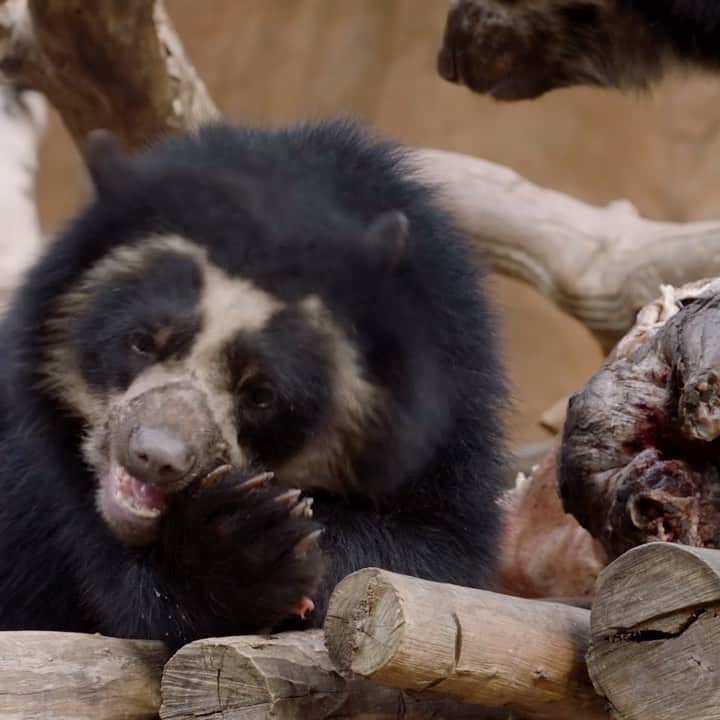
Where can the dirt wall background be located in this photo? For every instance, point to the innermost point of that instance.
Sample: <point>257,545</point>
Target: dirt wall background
<point>274,61</point>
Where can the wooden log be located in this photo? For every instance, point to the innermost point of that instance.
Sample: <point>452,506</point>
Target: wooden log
<point>104,64</point>
<point>655,625</point>
<point>73,676</point>
<point>599,264</point>
<point>554,417</point>
<point>286,676</point>
<point>471,645</point>
<point>23,117</point>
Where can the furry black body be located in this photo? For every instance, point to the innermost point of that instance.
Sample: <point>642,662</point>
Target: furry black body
<point>691,28</point>
<point>287,211</point>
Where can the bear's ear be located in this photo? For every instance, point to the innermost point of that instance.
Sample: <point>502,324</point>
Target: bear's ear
<point>107,162</point>
<point>388,238</point>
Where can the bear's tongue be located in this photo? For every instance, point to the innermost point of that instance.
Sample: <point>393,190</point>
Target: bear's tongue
<point>139,497</point>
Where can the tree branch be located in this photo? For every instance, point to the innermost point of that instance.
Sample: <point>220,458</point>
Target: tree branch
<point>122,67</point>
<point>600,265</point>
<point>655,633</point>
<point>105,64</point>
<point>23,118</point>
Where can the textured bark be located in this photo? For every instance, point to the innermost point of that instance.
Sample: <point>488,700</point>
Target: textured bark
<point>600,265</point>
<point>471,645</point>
<point>655,634</point>
<point>105,64</point>
<point>286,676</point>
<point>639,451</point>
<point>23,118</point>
<point>71,676</point>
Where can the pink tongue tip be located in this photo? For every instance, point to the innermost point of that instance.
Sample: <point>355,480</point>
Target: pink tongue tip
<point>147,495</point>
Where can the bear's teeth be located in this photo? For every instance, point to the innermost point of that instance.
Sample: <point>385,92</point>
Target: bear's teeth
<point>147,495</point>
<point>141,498</point>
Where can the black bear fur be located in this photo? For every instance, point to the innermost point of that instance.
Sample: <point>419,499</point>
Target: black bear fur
<point>280,206</point>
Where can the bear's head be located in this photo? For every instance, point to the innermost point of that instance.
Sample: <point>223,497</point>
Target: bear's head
<point>207,318</point>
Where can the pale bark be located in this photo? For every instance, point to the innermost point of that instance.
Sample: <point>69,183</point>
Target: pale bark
<point>655,634</point>
<point>105,64</point>
<point>286,676</point>
<point>71,676</point>
<point>471,645</point>
<point>599,264</point>
<point>23,118</point>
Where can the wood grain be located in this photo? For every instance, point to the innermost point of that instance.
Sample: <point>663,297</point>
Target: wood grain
<point>655,623</point>
<point>72,676</point>
<point>471,645</point>
<point>287,676</point>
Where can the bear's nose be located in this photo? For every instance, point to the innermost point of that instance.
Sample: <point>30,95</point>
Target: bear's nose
<point>158,456</point>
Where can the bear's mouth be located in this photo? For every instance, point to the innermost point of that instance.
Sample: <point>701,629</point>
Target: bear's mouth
<point>131,508</point>
<point>134,495</point>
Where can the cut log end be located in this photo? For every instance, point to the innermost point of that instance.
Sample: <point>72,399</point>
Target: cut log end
<point>470,645</point>
<point>199,672</point>
<point>364,623</point>
<point>287,676</point>
<point>655,645</point>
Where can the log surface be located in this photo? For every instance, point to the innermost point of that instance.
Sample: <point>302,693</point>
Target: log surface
<point>655,623</point>
<point>72,676</point>
<point>287,676</point>
<point>471,645</point>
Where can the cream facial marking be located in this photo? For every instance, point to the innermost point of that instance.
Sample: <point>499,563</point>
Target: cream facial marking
<point>356,403</point>
<point>228,306</point>
<point>194,389</point>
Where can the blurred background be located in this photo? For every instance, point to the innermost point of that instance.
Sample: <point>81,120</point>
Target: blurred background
<point>275,61</point>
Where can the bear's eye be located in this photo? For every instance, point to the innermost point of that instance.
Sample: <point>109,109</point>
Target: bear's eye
<point>143,344</point>
<point>258,396</point>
